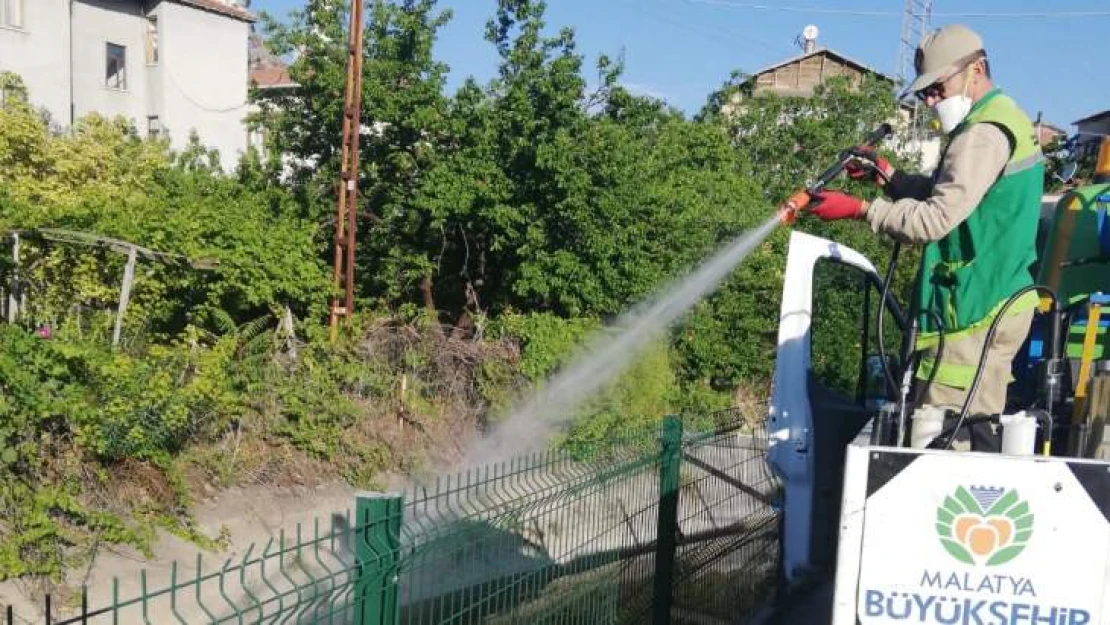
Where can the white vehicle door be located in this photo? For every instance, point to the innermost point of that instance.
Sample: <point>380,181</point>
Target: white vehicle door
<point>820,397</point>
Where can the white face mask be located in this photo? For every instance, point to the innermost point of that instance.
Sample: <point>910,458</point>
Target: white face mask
<point>951,111</point>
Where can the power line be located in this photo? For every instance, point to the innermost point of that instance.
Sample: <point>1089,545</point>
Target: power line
<point>1031,14</point>
<point>800,9</point>
<point>729,39</point>
<point>768,7</point>
<point>210,109</point>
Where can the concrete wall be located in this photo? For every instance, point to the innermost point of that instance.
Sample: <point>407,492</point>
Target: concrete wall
<point>204,77</point>
<point>39,53</point>
<point>199,82</point>
<point>95,24</point>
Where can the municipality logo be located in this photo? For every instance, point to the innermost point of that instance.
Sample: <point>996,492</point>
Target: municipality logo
<point>984,526</point>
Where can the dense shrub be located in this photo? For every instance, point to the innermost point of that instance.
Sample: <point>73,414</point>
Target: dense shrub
<point>499,226</point>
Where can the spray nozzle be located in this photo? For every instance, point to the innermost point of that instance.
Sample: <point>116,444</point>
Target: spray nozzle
<point>788,211</point>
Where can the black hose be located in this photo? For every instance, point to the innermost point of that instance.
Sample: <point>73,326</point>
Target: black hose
<point>882,308</point>
<point>949,434</point>
<point>940,350</point>
<point>879,329</point>
<point>893,384</point>
<point>1048,430</point>
<point>986,347</point>
<point>1042,416</point>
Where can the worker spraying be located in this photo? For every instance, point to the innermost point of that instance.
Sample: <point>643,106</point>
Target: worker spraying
<point>976,216</point>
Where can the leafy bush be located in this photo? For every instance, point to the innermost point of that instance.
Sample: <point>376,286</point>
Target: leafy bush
<point>499,226</point>
<point>251,250</point>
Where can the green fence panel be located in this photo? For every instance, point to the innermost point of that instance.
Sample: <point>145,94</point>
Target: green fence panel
<point>670,466</point>
<point>678,526</point>
<point>377,550</point>
<point>728,555</point>
<point>544,539</point>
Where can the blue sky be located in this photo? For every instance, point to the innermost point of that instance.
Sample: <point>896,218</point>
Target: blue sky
<point>681,50</point>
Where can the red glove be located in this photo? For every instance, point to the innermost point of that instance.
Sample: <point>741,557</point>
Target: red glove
<point>836,205</point>
<point>868,161</point>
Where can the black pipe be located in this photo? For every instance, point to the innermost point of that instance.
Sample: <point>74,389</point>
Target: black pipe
<point>946,436</point>
<point>861,381</point>
<point>981,367</point>
<point>940,349</point>
<point>907,379</point>
<point>1047,427</point>
<point>1051,369</point>
<point>879,322</point>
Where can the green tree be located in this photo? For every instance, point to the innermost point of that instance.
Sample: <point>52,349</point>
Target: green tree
<point>784,142</point>
<point>403,116</point>
<point>101,179</point>
<point>556,199</point>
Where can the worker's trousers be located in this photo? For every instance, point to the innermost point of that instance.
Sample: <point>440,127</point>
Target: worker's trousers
<point>991,396</point>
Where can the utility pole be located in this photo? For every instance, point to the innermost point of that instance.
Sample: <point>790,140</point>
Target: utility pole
<point>916,18</point>
<point>347,204</point>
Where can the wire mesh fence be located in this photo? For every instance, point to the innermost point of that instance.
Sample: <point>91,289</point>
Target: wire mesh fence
<point>682,529</point>
<point>505,544</point>
<point>727,554</point>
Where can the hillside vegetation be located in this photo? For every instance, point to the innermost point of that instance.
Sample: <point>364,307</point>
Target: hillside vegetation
<point>498,225</point>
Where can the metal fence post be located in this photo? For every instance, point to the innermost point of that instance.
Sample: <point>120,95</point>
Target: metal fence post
<point>670,465</point>
<point>377,549</point>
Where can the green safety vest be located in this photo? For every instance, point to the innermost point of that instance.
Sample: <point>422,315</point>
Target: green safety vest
<point>967,276</point>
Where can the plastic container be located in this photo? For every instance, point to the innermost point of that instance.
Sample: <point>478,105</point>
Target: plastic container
<point>1019,434</point>
<point>927,424</point>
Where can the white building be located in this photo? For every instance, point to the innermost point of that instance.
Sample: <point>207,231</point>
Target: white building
<point>170,66</point>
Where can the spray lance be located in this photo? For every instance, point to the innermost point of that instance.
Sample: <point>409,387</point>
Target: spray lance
<point>802,199</point>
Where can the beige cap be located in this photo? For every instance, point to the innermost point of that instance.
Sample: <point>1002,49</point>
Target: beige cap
<point>942,52</point>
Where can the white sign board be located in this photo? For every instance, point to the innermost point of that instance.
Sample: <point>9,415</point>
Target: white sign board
<point>981,539</point>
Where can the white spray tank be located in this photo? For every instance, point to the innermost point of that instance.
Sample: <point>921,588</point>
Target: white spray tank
<point>1019,434</point>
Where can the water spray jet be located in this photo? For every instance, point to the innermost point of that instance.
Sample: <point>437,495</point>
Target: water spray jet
<point>608,354</point>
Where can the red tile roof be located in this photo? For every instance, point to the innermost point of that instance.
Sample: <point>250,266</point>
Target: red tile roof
<point>222,7</point>
<point>268,77</point>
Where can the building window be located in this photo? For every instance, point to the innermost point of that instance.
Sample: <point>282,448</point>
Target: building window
<point>116,67</point>
<point>153,127</point>
<point>11,13</point>
<point>152,39</point>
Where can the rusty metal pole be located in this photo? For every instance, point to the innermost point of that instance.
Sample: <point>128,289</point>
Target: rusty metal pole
<point>347,203</point>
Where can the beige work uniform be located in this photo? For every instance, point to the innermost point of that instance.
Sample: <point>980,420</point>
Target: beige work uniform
<point>921,212</point>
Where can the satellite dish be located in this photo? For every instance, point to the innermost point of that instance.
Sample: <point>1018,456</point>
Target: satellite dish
<point>809,32</point>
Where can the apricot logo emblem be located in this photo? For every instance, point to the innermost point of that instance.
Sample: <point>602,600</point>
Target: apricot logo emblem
<point>984,526</point>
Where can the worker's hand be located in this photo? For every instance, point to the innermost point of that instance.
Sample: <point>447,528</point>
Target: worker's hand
<point>833,205</point>
<point>867,161</point>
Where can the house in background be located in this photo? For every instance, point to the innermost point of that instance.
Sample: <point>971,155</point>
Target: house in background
<point>1091,130</point>
<point>1047,133</point>
<point>266,70</point>
<point>801,74</point>
<point>269,74</point>
<point>172,67</point>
